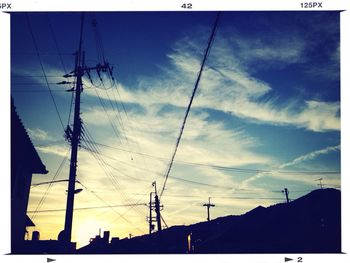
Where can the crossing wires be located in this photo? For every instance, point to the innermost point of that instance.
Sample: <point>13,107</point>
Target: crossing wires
<point>42,68</point>
<point>206,54</point>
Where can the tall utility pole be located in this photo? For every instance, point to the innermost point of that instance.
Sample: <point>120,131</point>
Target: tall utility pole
<point>286,192</point>
<point>74,135</point>
<point>156,207</point>
<point>208,205</point>
<point>150,219</point>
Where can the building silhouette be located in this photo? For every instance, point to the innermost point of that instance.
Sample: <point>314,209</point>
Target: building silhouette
<point>25,162</point>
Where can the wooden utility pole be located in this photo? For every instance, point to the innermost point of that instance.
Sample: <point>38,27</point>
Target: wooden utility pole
<point>320,183</point>
<point>208,205</point>
<point>73,136</point>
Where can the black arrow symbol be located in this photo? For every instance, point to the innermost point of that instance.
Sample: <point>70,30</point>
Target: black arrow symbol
<point>287,259</point>
<point>50,260</point>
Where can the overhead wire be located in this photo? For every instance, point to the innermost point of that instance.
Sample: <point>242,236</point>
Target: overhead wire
<point>225,168</point>
<point>115,130</point>
<point>58,171</point>
<point>222,167</point>
<point>88,208</point>
<point>116,110</point>
<point>128,120</point>
<point>210,42</point>
<point>112,206</point>
<point>56,43</point>
<point>42,68</point>
<point>94,151</point>
<point>101,56</point>
<point>51,182</point>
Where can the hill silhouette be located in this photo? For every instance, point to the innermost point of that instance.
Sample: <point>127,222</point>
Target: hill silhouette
<point>309,224</point>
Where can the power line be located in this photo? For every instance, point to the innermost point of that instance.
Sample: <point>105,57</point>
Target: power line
<point>115,130</point>
<point>58,171</point>
<point>34,91</point>
<point>86,208</point>
<point>42,53</point>
<point>95,152</point>
<point>51,182</point>
<point>229,197</point>
<point>56,43</point>
<point>179,178</point>
<point>221,167</point>
<point>43,70</point>
<point>63,65</point>
<point>111,207</point>
<point>210,42</point>
<point>35,76</point>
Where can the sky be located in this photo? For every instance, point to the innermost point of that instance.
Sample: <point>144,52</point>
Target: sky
<point>266,115</point>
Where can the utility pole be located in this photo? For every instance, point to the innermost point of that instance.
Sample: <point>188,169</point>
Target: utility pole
<point>74,135</point>
<point>286,192</point>
<point>208,205</point>
<point>320,184</point>
<point>74,138</point>
<point>151,219</point>
<point>156,207</point>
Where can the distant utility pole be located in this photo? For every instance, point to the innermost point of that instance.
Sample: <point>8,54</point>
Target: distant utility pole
<point>74,135</point>
<point>286,192</point>
<point>320,184</point>
<point>156,206</point>
<point>208,205</point>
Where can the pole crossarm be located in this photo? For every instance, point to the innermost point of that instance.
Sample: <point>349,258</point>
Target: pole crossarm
<point>208,205</point>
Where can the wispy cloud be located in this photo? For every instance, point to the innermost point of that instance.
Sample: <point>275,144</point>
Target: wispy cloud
<point>228,86</point>
<point>155,107</point>
<point>311,156</point>
<point>38,134</point>
<point>304,177</point>
<point>53,149</point>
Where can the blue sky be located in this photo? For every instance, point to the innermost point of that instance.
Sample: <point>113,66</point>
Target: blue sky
<point>269,99</point>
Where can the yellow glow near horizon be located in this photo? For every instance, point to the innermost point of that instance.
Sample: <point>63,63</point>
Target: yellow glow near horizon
<point>88,228</point>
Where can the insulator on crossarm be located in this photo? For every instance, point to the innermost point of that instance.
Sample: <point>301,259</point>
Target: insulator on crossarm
<point>63,82</point>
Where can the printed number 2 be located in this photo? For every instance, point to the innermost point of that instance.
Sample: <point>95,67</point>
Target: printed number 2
<point>300,259</point>
<point>187,6</point>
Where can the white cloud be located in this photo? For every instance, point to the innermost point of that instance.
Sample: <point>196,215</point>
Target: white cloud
<point>228,86</point>
<point>311,156</point>
<point>286,49</point>
<point>304,177</point>
<point>53,149</point>
<point>38,134</point>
